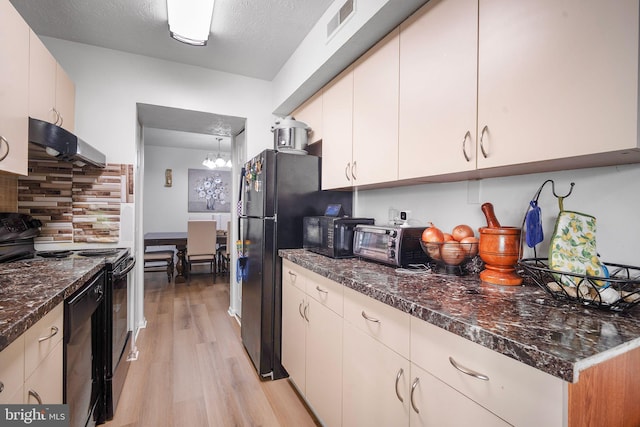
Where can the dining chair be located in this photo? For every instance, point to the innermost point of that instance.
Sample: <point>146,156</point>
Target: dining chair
<point>160,260</point>
<point>223,253</point>
<point>201,244</point>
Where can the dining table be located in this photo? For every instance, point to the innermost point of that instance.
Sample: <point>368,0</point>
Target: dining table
<point>179,240</point>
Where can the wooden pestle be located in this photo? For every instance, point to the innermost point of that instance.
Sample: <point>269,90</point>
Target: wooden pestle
<point>492,221</point>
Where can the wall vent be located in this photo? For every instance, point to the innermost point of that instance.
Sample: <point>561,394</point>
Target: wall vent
<point>340,17</point>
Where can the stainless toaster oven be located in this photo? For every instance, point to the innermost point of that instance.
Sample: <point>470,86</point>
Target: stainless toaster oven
<point>394,245</point>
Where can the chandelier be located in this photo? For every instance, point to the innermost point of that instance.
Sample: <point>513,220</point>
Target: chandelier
<point>219,162</point>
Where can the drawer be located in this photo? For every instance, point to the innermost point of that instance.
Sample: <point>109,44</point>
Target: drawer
<point>46,380</point>
<point>386,324</point>
<point>42,337</point>
<point>518,393</point>
<point>326,292</point>
<point>294,275</point>
<point>12,372</point>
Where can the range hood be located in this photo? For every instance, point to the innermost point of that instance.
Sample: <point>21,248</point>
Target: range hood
<point>64,145</point>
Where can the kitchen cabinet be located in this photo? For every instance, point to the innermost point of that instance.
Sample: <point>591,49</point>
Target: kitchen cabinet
<point>310,112</point>
<point>434,403</point>
<point>312,339</point>
<point>437,106</point>
<point>51,91</point>
<point>14,86</point>
<point>376,370</point>
<point>375,113</point>
<point>503,386</point>
<point>337,141</point>
<point>32,365</point>
<point>557,81</point>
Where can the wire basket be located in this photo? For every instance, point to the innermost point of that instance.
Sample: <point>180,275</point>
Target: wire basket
<point>618,292</point>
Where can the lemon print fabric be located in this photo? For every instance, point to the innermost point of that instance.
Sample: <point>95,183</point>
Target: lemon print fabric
<point>573,248</point>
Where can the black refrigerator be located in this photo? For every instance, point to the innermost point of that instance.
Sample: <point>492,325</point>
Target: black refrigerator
<point>278,190</point>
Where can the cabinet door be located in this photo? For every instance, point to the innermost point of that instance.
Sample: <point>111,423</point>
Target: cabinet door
<point>375,113</point>
<point>556,79</point>
<point>42,81</point>
<point>324,363</point>
<point>337,120</point>
<point>433,403</point>
<point>437,120</point>
<point>46,380</point>
<point>293,333</point>
<point>14,87</point>
<point>310,112</point>
<point>12,372</point>
<point>375,379</point>
<point>65,99</point>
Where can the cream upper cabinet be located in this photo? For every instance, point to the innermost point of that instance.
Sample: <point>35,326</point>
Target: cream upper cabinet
<point>556,79</point>
<point>337,141</point>
<point>311,113</point>
<point>14,86</point>
<point>375,113</point>
<point>51,91</point>
<point>437,120</point>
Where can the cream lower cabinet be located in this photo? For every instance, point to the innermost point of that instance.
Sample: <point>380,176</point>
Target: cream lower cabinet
<point>14,87</point>
<point>312,340</point>
<point>31,367</point>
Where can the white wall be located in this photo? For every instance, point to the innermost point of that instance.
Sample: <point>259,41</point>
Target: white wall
<point>109,83</point>
<point>165,208</point>
<point>610,194</point>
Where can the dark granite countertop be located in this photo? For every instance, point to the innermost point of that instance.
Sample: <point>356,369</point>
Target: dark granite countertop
<point>30,289</point>
<point>523,322</point>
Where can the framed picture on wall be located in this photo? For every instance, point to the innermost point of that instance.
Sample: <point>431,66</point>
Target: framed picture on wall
<point>209,190</point>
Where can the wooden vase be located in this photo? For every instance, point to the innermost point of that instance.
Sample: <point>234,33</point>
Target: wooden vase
<point>499,248</point>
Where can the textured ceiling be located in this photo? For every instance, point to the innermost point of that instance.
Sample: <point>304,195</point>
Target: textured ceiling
<point>253,38</point>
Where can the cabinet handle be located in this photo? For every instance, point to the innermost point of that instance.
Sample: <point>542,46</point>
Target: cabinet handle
<point>398,376</point>
<point>346,171</point>
<point>464,146</point>
<point>319,289</point>
<point>484,130</point>
<point>413,390</point>
<point>354,169</point>
<point>306,312</point>
<point>293,276</point>
<point>3,139</point>
<point>54,331</point>
<point>36,395</point>
<point>1,386</point>
<point>370,319</point>
<point>468,371</point>
<point>300,309</point>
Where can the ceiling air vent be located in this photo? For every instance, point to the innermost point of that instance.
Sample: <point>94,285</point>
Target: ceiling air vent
<point>340,17</point>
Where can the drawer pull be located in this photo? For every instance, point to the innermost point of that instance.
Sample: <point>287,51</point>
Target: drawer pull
<point>464,146</point>
<point>36,396</point>
<point>484,130</point>
<point>468,371</point>
<point>398,376</point>
<point>1,386</point>
<point>413,390</point>
<point>370,319</point>
<point>293,276</point>
<point>54,331</point>
<point>3,139</point>
<point>319,289</point>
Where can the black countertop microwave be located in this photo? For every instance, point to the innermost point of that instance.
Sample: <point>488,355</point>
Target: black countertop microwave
<point>331,236</point>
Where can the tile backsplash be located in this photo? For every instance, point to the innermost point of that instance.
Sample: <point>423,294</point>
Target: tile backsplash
<point>75,205</point>
<point>8,192</point>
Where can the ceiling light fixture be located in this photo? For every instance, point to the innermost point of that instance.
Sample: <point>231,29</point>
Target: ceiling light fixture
<point>219,162</point>
<point>190,20</point>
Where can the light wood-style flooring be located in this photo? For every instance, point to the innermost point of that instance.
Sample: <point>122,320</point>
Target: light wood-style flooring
<point>192,368</point>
